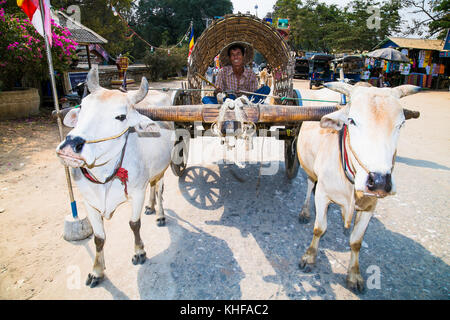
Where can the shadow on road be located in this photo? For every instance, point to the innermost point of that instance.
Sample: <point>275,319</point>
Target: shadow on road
<point>270,215</point>
<point>421,163</point>
<point>186,270</point>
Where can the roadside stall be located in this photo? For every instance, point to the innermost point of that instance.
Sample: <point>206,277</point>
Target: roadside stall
<point>386,65</point>
<point>429,63</point>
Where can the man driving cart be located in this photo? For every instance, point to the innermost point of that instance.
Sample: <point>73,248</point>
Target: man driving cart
<point>235,79</point>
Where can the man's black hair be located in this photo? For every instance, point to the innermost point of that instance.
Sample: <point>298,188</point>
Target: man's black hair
<point>236,46</point>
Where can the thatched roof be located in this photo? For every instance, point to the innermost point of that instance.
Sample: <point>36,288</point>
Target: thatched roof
<point>80,33</point>
<point>410,43</point>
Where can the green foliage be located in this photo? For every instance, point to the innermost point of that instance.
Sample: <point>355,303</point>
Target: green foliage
<point>22,49</point>
<point>316,26</point>
<point>165,22</point>
<point>442,21</point>
<point>162,65</point>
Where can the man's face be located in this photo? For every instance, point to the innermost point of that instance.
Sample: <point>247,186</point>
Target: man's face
<point>236,57</point>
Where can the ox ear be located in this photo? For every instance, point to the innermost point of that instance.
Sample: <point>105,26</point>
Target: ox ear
<point>71,118</point>
<point>405,90</point>
<point>335,120</point>
<point>92,79</point>
<point>340,87</point>
<point>143,125</point>
<point>139,95</point>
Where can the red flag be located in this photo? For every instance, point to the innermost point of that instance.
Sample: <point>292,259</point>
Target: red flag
<point>33,11</point>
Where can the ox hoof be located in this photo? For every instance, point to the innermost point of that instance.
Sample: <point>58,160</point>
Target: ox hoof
<point>355,283</point>
<point>304,215</point>
<point>92,281</point>
<point>161,222</point>
<point>148,211</point>
<point>139,258</point>
<point>305,266</point>
<point>347,232</point>
<point>303,219</point>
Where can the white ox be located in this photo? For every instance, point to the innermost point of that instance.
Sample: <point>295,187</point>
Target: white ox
<point>370,126</point>
<point>120,152</point>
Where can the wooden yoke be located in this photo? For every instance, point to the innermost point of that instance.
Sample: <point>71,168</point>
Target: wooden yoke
<point>262,114</point>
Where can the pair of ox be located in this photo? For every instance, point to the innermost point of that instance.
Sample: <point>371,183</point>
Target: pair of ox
<point>115,152</point>
<point>110,137</point>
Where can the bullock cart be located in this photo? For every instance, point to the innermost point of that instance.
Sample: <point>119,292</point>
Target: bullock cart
<point>284,108</point>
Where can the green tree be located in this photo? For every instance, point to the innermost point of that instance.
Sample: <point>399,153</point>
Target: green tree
<point>316,26</point>
<point>431,14</point>
<point>365,32</point>
<point>312,25</point>
<point>162,64</point>
<point>165,22</point>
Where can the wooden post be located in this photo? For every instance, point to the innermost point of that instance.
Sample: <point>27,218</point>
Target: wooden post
<point>55,101</point>
<point>88,56</point>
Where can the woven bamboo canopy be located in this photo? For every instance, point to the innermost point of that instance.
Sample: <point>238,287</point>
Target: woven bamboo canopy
<point>248,29</point>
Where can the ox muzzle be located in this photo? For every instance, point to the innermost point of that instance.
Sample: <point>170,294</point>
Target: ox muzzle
<point>69,151</point>
<point>75,143</point>
<point>379,184</point>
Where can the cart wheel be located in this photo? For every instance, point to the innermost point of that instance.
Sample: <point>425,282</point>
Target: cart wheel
<point>297,95</point>
<point>291,158</point>
<point>179,98</point>
<point>179,157</point>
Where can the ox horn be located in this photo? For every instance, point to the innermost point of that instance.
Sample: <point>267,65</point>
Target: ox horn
<point>405,90</point>
<point>340,87</point>
<point>139,95</point>
<point>92,79</point>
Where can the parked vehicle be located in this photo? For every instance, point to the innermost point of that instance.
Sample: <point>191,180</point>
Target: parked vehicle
<point>351,65</point>
<point>73,99</point>
<point>320,70</point>
<point>301,68</point>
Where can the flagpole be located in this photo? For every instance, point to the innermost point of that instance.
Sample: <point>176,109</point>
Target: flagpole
<point>58,118</point>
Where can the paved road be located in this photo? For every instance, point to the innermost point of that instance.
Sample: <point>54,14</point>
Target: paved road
<point>226,238</point>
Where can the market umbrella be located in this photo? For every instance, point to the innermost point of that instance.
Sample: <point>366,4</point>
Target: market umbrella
<point>388,54</point>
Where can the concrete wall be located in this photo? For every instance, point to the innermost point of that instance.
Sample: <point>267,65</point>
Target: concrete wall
<point>108,73</point>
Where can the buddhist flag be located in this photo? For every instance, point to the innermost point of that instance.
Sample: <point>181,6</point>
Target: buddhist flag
<point>191,41</point>
<point>33,11</point>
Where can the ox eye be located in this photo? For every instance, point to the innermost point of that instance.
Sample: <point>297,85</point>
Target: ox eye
<point>121,117</point>
<point>351,121</point>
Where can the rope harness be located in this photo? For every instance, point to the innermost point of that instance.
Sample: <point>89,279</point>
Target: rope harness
<point>347,165</point>
<point>118,172</point>
<point>349,172</point>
